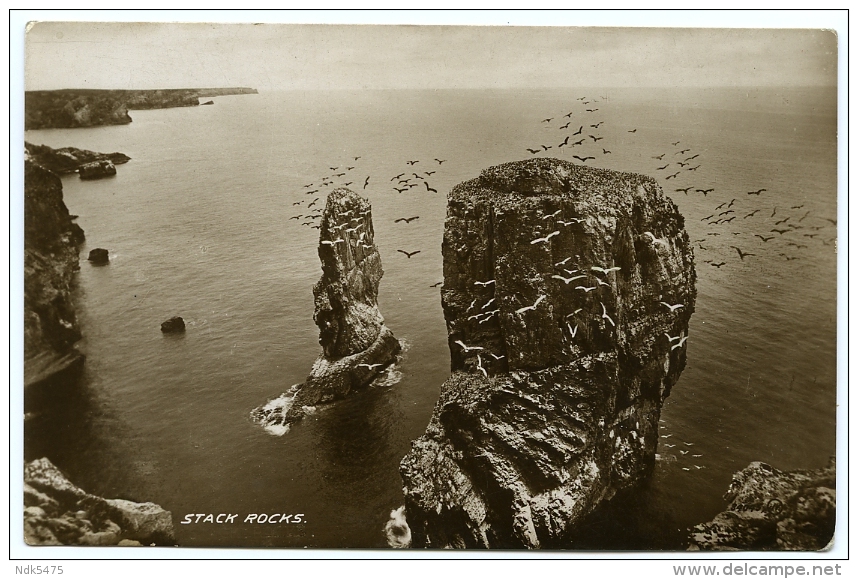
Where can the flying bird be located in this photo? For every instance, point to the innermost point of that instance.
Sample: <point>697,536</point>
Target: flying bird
<point>757,192</point>
<point>705,191</point>
<point>408,255</point>
<point>672,176</point>
<point>595,139</point>
<point>440,161</point>
<point>679,344</point>
<point>572,331</point>
<point>533,307</point>
<point>578,132</point>
<point>673,307</point>
<point>741,253</point>
<point>484,283</point>
<point>633,131</point>
<point>583,159</point>
<point>764,238</point>
<point>544,239</point>
<point>429,189</point>
<point>603,270</point>
<point>412,163</point>
<point>568,280</point>
<point>365,183</point>
<point>664,167</point>
<point>532,151</point>
<point>468,348</point>
<point>586,290</point>
<point>406,219</point>
<point>606,316</point>
<point>606,152</point>
<point>370,366</point>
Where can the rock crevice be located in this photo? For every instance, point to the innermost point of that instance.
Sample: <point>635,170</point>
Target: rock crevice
<point>557,282</point>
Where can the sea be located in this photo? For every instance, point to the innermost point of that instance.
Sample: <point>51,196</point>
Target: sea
<point>201,223</point>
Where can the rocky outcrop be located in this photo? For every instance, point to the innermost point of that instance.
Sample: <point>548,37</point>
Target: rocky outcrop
<point>773,510</point>
<point>176,324</point>
<point>51,245</point>
<point>562,349</point>
<point>69,159</point>
<point>71,108</point>
<point>56,512</point>
<point>97,170</point>
<point>356,345</point>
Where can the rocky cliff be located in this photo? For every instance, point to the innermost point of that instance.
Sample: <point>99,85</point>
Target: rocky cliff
<point>71,108</point>
<point>51,247</point>
<point>56,512</point>
<point>567,295</point>
<point>68,159</point>
<point>773,510</point>
<point>356,345</point>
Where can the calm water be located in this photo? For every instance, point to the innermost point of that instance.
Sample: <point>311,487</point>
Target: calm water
<point>198,225</point>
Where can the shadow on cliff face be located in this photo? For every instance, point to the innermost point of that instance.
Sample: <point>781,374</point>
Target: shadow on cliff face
<point>631,521</point>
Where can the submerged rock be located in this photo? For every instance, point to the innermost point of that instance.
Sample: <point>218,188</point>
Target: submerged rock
<point>356,345</point>
<point>99,256</point>
<point>97,170</point>
<point>773,510</point>
<point>562,349</point>
<point>57,512</point>
<point>173,325</point>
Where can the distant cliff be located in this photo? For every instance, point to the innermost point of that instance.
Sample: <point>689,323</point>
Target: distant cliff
<point>356,345</point>
<point>72,108</point>
<point>51,257</point>
<point>562,349</point>
<point>773,510</point>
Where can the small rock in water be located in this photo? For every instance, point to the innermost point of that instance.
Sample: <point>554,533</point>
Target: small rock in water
<point>173,325</point>
<point>99,256</point>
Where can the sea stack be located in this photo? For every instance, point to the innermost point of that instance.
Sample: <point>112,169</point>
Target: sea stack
<point>51,258</point>
<point>772,510</point>
<point>562,350</point>
<point>356,345</point>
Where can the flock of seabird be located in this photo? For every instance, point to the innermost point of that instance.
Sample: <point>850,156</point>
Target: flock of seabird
<point>582,134</point>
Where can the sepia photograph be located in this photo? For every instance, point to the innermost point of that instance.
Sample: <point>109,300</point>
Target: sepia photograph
<point>426,286</point>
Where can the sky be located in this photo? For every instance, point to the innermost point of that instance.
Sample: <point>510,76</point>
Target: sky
<point>272,56</point>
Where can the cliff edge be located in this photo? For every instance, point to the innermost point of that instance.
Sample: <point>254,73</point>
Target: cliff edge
<point>567,295</point>
<point>356,345</point>
<point>56,512</point>
<point>51,257</point>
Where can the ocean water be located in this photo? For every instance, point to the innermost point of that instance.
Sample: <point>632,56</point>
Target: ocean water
<point>199,224</point>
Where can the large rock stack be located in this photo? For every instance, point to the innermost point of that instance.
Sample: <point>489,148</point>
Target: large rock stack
<point>356,345</point>
<point>557,282</point>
